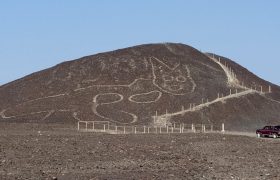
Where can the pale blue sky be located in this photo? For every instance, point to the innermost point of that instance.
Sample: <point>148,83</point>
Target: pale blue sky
<point>35,35</point>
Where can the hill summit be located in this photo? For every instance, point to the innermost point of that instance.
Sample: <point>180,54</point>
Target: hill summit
<point>146,84</point>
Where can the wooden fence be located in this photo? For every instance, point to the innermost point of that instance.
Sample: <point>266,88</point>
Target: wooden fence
<point>107,127</point>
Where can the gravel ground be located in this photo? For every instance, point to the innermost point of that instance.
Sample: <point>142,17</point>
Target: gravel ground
<point>29,151</point>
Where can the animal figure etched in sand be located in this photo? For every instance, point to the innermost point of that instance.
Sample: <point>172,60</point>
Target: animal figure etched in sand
<point>122,102</point>
<point>175,81</point>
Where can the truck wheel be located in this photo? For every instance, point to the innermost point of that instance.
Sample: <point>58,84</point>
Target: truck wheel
<point>274,136</point>
<point>258,135</point>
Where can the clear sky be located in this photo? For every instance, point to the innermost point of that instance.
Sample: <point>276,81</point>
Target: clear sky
<point>35,35</point>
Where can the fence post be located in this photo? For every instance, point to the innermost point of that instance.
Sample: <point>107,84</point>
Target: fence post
<point>124,129</point>
<point>155,117</point>
<point>261,89</point>
<point>181,128</point>
<point>86,126</point>
<point>144,129</point>
<point>104,127</point>
<point>193,128</point>
<point>116,128</point>
<point>93,125</point>
<point>204,128</point>
<point>78,125</point>
<point>172,129</point>
<point>135,131</point>
<point>230,92</point>
<point>223,127</point>
<point>269,89</point>
<point>148,129</point>
<point>180,131</point>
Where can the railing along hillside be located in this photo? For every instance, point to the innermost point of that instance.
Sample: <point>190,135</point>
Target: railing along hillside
<point>107,127</point>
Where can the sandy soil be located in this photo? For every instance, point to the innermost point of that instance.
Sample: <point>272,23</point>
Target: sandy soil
<point>30,151</point>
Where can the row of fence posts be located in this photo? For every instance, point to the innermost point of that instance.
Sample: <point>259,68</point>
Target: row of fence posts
<point>105,127</point>
<point>203,101</point>
<point>242,85</point>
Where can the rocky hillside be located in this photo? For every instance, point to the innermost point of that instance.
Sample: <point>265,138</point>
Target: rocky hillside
<point>146,84</point>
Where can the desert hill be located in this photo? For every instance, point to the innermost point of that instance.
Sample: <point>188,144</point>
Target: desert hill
<point>146,84</point>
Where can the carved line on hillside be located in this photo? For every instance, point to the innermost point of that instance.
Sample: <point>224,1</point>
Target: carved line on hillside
<point>93,80</point>
<point>106,94</point>
<point>175,66</point>
<point>116,85</point>
<point>231,76</point>
<point>121,96</point>
<point>153,79</point>
<point>191,79</point>
<point>9,117</point>
<point>96,104</point>
<point>143,94</point>
<point>49,113</point>
<point>53,96</point>
<point>163,118</point>
<point>94,109</point>
<point>164,90</point>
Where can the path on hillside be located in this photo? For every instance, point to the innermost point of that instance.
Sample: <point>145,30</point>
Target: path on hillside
<point>232,81</point>
<point>206,104</point>
<point>231,76</point>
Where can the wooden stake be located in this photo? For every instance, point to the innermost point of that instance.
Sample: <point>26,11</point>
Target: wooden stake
<point>223,128</point>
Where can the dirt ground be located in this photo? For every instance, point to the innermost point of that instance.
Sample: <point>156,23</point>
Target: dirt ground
<point>30,151</point>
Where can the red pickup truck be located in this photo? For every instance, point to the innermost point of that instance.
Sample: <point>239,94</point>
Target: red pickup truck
<point>269,131</point>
